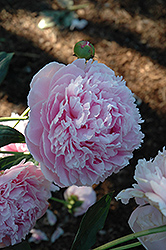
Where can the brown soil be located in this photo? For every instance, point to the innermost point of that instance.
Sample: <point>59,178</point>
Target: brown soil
<point>130,38</point>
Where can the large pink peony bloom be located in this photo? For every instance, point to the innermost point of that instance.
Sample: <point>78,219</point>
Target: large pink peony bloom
<point>85,194</point>
<point>24,194</point>
<point>146,217</point>
<point>83,123</point>
<point>151,187</point>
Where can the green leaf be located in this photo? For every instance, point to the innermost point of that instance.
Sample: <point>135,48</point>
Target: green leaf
<point>5,59</point>
<point>10,135</point>
<point>91,223</point>
<point>21,246</point>
<point>12,160</point>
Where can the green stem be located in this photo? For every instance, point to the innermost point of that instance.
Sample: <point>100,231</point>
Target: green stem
<point>129,246</point>
<point>58,200</point>
<point>23,115</point>
<point>131,237</point>
<point>25,112</point>
<point>4,119</point>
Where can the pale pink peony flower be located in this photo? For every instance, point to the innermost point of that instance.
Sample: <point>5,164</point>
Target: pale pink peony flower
<point>24,194</point>
<point>83,124</point>
<point>146,217</point>
<point>85,194</point>
<point>151,187</point>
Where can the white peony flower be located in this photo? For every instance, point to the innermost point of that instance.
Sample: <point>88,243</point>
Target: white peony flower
<point>151,183</point>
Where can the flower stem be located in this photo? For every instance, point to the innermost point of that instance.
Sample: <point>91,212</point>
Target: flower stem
<point>4,119</point>
<point>14,152</point>
<point>25,112</point>
<point>129,246</point>
<point>58,200</point>
<point>22,115</point>
<point>131,237</point>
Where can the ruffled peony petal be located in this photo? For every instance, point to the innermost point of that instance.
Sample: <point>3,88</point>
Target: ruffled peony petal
<point>151,183</point>
<point>85,127</point>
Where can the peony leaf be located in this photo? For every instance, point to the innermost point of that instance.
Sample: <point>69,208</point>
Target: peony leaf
<point>21,246</point>
<point>92,222</point>
<point>12,160</point>
<point>5,59</point>
<point>10,135</point>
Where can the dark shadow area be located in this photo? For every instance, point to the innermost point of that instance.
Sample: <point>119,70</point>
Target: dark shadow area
<point>154,128</point>
<point>27,60</point>
<point>154,10</point>
<point>29,5</point>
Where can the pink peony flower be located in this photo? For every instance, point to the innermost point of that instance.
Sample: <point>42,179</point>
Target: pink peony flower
<point>85,194</point>
<point>151,187</point>
<point>146,217</point>
<point>23,200</point>
<point>83,122</point>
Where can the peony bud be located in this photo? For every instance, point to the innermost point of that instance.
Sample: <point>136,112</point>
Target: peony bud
<point>79,199</point>
<point>84,49</point>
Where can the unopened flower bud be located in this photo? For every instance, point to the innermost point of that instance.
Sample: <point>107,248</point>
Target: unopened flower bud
<point>79,199</point>
<point>84,49</point>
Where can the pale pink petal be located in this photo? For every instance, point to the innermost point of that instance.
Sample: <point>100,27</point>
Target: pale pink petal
<point>151,183</point>
<point>33,130</point>
<point>40,91</point>
<point>147,217</point>
<point>49,70</point>
<point>57,233</point>
<point>37,236</point>
<point>51,217</point>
